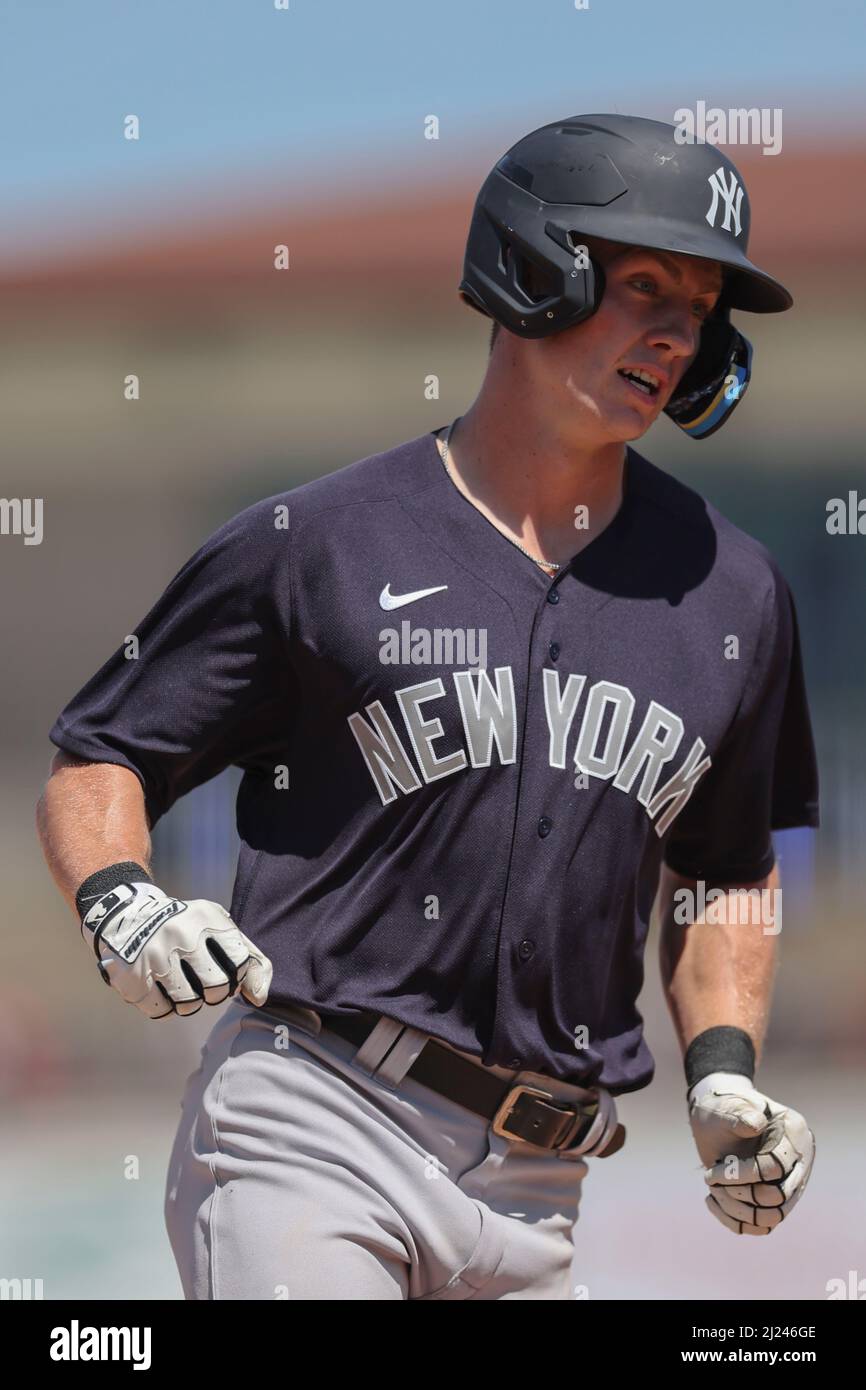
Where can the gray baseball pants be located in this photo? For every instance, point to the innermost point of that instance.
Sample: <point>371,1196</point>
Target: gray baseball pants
<point>298,1172</point>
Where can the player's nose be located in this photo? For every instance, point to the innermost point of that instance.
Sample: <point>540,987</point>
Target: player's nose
<point>675,333</point>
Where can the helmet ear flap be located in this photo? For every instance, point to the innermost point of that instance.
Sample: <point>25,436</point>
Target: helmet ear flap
<point>575,292</point>
<point>530,290</point>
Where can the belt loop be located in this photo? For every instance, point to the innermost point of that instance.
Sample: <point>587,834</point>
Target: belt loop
<point>402,1056</point>
<point>377,1045</point>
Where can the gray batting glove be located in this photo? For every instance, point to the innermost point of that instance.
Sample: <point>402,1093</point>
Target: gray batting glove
<point>167,956</point>
<point>757,1154</point>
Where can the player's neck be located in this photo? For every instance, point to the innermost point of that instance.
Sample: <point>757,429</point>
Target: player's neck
<point>529,479</point>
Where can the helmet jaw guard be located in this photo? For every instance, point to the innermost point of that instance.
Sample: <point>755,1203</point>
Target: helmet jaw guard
<point>716,381</point>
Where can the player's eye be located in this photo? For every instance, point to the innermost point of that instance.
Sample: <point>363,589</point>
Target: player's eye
<point>646,284</point>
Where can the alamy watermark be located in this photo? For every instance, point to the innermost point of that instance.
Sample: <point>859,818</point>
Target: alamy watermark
<point>20,1290</point>
<point>737,126</point>
<point>22,516</point>
<point>437,646</point>
<point>77,1343</point>
<point>846,516</point>
<point>729,907</point>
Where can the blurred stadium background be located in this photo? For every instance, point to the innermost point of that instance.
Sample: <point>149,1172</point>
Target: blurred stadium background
<point>155,257</point>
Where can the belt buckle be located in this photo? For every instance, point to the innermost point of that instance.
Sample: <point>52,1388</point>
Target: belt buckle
<point>499,1122</point>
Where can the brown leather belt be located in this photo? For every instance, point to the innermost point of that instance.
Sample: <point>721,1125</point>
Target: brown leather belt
<point>515,1112</point>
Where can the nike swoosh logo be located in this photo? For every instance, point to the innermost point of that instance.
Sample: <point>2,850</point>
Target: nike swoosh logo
<point>387,600</point>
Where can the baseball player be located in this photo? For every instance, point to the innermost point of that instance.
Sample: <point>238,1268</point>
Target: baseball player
<point>493,691</point>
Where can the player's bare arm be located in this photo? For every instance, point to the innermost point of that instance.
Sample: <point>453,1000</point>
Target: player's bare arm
<point>90,815</point>
<point>716,972</point>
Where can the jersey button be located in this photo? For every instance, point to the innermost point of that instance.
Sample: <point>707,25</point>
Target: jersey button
<point>545,825</point>
<point>526,949</point>
<point>554,650</point>
<point>553,596</point>
<point>515,1064</point>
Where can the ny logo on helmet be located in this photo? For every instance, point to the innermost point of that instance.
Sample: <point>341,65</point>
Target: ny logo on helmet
<point>732,195</point>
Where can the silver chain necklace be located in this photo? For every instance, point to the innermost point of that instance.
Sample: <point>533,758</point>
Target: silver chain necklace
<point>544,564</point>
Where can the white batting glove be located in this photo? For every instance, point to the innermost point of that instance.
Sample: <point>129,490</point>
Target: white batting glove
<point>167,956</point>
<point>757,1155</point>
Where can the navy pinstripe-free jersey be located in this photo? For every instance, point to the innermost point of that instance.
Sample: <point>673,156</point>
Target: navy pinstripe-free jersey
<point>460,775</point>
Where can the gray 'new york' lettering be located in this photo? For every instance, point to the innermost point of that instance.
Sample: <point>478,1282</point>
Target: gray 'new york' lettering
<point>488,713</point>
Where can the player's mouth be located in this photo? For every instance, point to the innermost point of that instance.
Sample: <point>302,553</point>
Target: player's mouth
<point>642,382</point>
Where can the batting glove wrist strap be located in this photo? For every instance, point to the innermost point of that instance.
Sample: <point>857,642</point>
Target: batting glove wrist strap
<point>102,896</point>
<point>719,1049</point>
<point>105,881</point>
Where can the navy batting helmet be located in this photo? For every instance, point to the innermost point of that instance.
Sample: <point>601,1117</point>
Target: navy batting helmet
<point>625,179</point>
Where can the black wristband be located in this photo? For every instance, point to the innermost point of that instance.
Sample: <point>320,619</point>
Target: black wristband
<point>719,1049</point>
<point>105,880</point>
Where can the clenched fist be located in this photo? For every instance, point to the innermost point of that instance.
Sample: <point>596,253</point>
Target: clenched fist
<point>757,1154</point>
<point>167,956</point>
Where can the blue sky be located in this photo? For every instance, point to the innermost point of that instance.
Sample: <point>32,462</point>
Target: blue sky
<point>235,97</point>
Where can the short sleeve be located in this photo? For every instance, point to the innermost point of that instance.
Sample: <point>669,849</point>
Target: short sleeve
<point>764,776</point>
<point>210,685</point>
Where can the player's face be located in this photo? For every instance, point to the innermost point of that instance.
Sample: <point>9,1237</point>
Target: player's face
<point>650,319</point>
